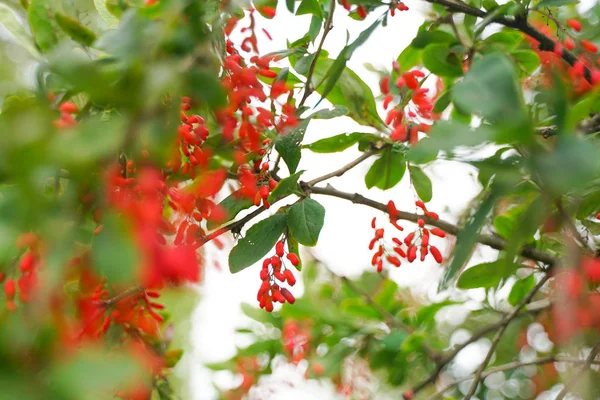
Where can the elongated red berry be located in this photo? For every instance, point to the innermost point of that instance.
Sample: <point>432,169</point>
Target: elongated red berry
<point>412,253</point>
<point>10,288</point>
<point>289,297</point>
<point>268,304</point>
<point>409,238</point>
<point>68,107</point>
<point>400,252</point>
<point>384,85</point>
<point>436,254</point>
<point>373,222</point>
<point>589,46</point>
<point>293,259</point>
<point>276,262</point>
<point>289,277</point>
<point>574,24</point>
<point>438,232</point>
<point>394,260</point>
<point>279,248</point>
<point>27,261</point>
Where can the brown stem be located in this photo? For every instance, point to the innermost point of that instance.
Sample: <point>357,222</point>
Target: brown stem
<point>545,43</point>
<point>504,324</point>
<point>311,70</point>
<point>588,362</point>
<point>494,242</point>
<point>508,367</point>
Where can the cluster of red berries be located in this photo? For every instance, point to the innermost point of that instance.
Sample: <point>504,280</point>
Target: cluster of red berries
<point>551,61</point>
<point>67,109</point>
<point>579,305</point>
<point>273,270</point>
<point>414,104</point>
<point>416,241</point>
<point>362,12</point>
<point>296,340</point>
<point>29,264</point>
<point>191,135</point>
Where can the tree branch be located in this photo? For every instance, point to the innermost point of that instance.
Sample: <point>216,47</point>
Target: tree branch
<point>545,43</point>
<point>508,367</point>
<point>392,321</point>
<point>488,240</point>
<point>345,168</point>
<point>504,324</point>
<point>588,362</point>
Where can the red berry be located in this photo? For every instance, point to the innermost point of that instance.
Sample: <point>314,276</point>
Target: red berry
<point>438,232</point>
<point>589,46</point>
<point>293,259</point>
<point>279,248</point>
<point>68,107</point>
<point>289,297</point>
<point>574,24</point>
<point>436,254</point>
<point>289,277</point>
<point>27,261</point>
<point>10,288</point>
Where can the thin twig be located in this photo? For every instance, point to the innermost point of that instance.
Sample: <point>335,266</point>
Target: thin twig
<point>508,367</point>
<point>494,242</point>
<point>392,321</point>
<point>588,362</point>
<point>311,70</point>
<point>520,24</point>
<point>345,168</point>
<point>505,322</point>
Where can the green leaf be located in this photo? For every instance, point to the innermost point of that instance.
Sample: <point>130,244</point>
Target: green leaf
<point>114,252</point>
<point>490,89</point>
<point>527,59</point>
<point>507,40</point>
<point>92,371</point>
<point>232,204</point>
<point>335,143</point>
<point>286,187</point>
<point>350,91</point>
<point>410,57</point>
<point>504,225</point>
<point>447,135</point>
<point>554,3</point>
<point>421,182</point>
<point>358,308</point>
<point>467,237</point>
<point>75,30</point>
<point>259,239</point>
<point>110,19</point>
<point>485,275</point>
<point>426,38</point>
<point>394,340</point>
<point>387,170</point>
<point>305,220</point>
<point>337,111</point>
<point>442,102</point>
<point>520,289</point>
<point>440,60</point>
<point>290,4</point>
<point>288,147</point>
<point>203,84</point>
<point>11,23</point>
<point>310,7</point>
<point>338,66</point>
<point>41,25</point>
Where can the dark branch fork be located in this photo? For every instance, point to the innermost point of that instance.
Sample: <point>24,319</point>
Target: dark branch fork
<point>519,23</point>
